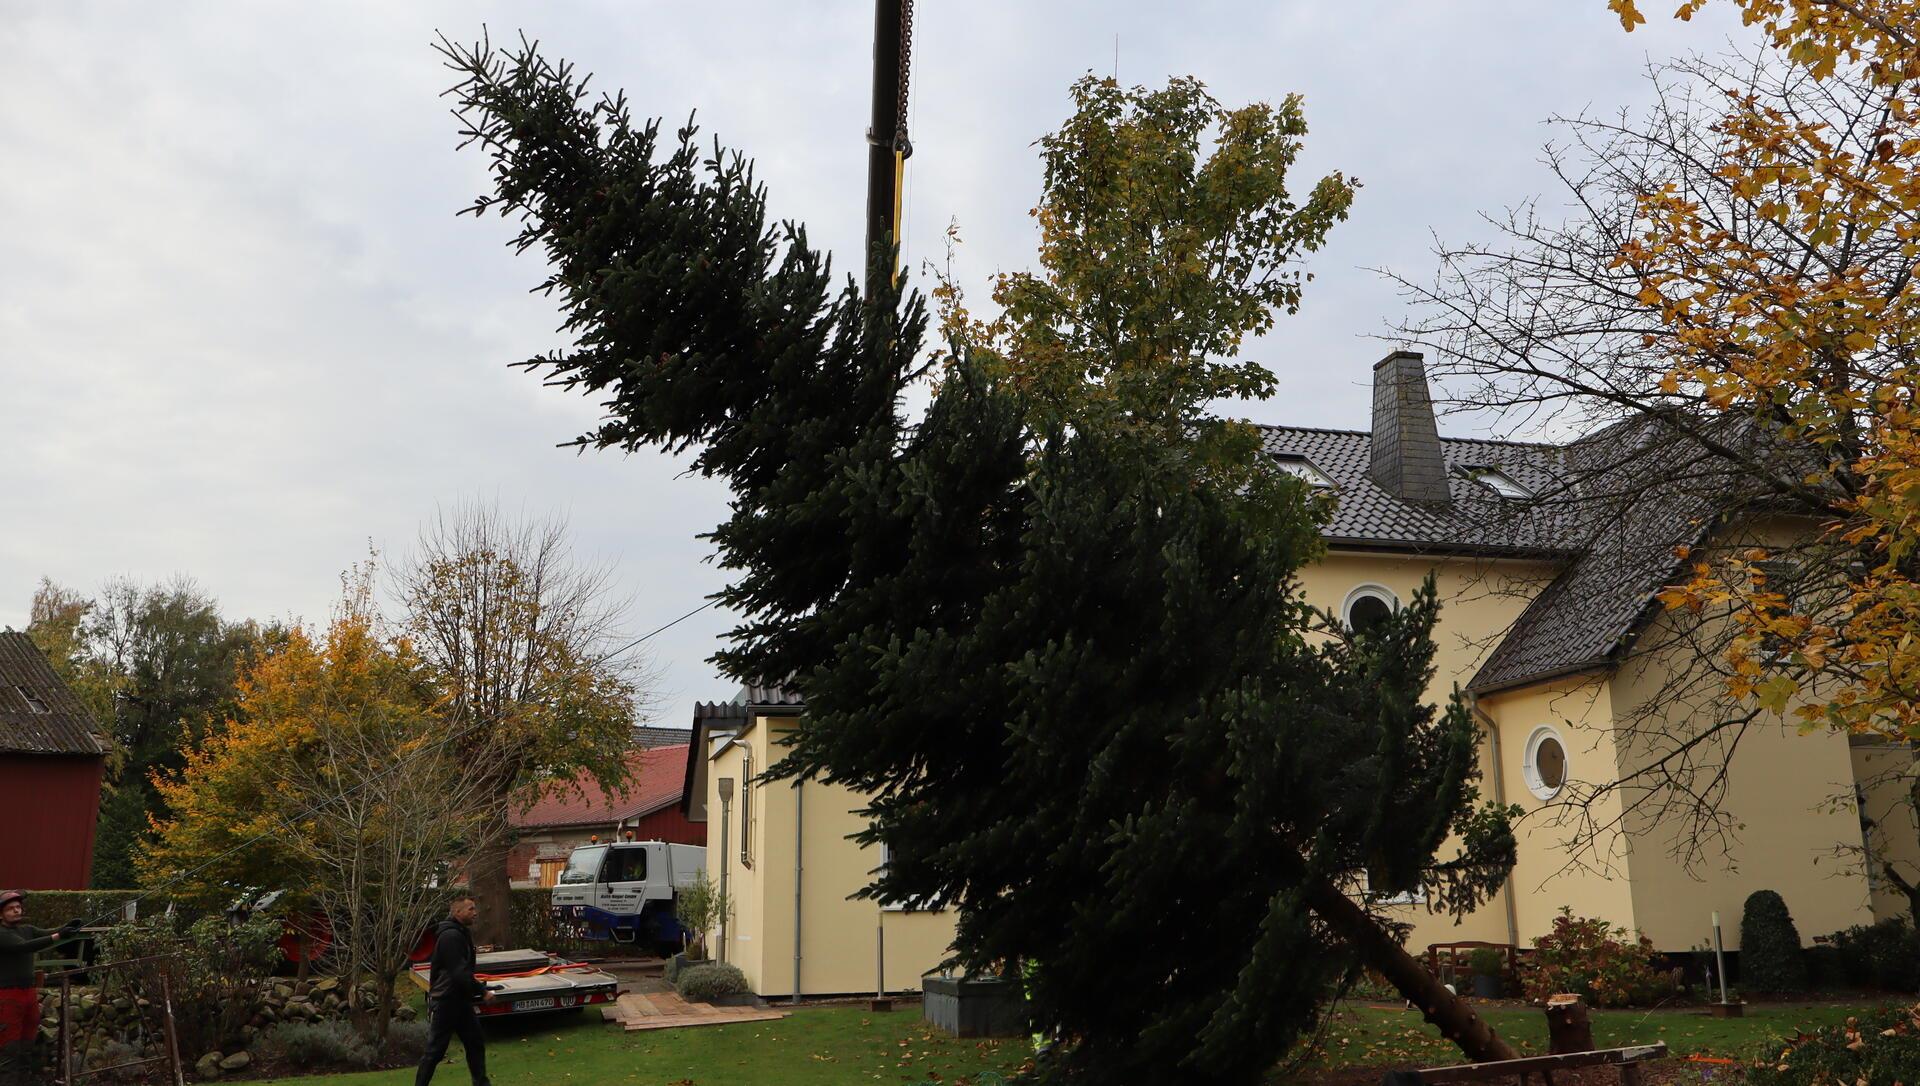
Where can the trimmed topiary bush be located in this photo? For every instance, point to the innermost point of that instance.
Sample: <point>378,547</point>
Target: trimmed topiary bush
<point>707,982</point>
<point>1770,951</point>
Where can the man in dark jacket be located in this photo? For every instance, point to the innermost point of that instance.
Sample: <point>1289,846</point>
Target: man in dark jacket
<point>19,995</point>
<point>452,991</point>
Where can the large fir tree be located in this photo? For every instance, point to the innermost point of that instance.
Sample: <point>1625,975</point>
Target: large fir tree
<point>1064,652</point>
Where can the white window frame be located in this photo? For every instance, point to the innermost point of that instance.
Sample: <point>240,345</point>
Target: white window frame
<point>886,857</point>
<point>1304,470</point>
<point>1367,591</point>
<point>1530,771</point>
<point>1415,896</point>
<point>1498,481</point>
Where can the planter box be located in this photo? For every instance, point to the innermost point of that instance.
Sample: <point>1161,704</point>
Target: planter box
<point>973,1006</point>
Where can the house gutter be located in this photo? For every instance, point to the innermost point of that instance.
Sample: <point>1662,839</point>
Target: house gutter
<point>799,821</point>
<point>1500,797</point>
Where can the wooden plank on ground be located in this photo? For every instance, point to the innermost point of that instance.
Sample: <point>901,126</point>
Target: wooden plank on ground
<point>1530,1065</point>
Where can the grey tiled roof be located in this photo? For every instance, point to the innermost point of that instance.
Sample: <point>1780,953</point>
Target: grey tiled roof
<point>38,714</point>
<point>1476,521</point>
<point>1592,508</point>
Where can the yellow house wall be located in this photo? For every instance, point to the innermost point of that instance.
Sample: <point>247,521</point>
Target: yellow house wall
<point>1886,775</point>
<point>744,944</point>
<point>1480,599</point>
<point>1789,821</point>
<point>838,936</point>
<point>1552,867</point>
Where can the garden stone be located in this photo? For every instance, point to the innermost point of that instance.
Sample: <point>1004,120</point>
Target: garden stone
<point>236,1061</point>
<point>208,1066</point>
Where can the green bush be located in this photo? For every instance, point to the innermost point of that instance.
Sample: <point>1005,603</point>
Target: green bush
<point>333,1044</point>
<point>1825,971</point>
<point>213,970</point>
<point>1487,962</point>
<point>1884,955</point>
<point>52,908</point>
<point>530,924</point>
<point>1880,1047</point>
<point>672,971</point>
<point>1605,964</point>
<point>704,983</point>
<point>1770,958</point>
<point>406,1043</point>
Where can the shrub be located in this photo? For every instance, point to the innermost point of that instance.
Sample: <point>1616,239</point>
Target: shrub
<point>331,1044</point>
<point>672,971</point>
<point>406,1043</point>
<point>704,983</point>
<point>1486,962</point>
<point>1879,1047</point>
<point>1825,971</point>
<point>1605,964</point>
<point>1884,955</point>
<point>1770,946</point>
<point>214,971</point>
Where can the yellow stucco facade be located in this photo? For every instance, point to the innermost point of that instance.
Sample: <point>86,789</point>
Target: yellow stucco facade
<point>792,871</point>
<point>1786,823</point>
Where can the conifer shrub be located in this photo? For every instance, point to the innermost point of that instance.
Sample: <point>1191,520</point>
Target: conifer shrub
<point>705,983</point>
<point>1770,953</point>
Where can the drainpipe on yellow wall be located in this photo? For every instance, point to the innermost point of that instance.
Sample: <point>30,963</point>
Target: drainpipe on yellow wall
<point>799,814</point>
<point>1500,797</point>
<point>725,787</point>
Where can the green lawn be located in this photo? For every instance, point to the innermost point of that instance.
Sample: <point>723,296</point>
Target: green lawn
<point>851,1044</point>
<point>819,1045</point>
<point>1364,1036</point>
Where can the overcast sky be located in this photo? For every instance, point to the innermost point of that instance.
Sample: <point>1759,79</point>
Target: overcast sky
<point>243,335</point>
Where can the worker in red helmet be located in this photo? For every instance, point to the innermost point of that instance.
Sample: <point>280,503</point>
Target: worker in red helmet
<point>19,995</point>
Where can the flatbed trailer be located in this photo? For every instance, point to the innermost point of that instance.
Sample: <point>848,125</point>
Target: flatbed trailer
<point>534,981</point>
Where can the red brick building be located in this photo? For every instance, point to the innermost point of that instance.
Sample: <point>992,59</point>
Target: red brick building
<point>50,766</point>
<point>562,816</point>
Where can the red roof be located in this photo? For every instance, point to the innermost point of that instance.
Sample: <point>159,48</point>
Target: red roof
<point>657,781</point>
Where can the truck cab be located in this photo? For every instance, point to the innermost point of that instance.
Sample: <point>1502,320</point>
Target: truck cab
<point>625,890</point>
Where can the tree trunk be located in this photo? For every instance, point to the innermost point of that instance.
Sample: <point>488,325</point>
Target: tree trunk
<point>384,985</point>
<point>1447,1011</point>
<point>492,889</point>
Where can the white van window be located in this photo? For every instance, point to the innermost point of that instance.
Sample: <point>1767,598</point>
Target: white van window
<point>583,865</point>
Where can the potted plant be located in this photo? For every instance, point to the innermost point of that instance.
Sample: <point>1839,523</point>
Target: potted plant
<point>1489,968</point>
<point>699,907</point>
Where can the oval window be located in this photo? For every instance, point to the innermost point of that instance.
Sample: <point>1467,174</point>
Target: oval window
<point>1367,607</point>
<point>1546,766</point>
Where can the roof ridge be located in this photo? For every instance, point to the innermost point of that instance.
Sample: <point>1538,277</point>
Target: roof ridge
<point>1443,438</point>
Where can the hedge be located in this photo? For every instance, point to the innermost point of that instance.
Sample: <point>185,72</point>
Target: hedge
<point>51,908</point>
<point>1770,958</point>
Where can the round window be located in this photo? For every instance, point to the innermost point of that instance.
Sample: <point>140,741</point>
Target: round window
<point>1546,766</point>
<point>1368,607</point>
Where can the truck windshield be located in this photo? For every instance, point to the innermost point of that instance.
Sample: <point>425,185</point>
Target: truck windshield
<point>583,865</point>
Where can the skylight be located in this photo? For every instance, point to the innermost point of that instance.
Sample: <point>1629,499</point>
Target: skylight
<point>1498,481</point>
<point>34,704</point>
<point>1303,469</point>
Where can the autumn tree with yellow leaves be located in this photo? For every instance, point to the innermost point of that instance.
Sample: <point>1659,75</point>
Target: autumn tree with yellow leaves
<point>1727,326</point>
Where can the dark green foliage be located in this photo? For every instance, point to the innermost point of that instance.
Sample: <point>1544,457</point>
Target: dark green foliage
<point>530,923</point>
<point>1069,665</point>
<point>1825,970</point>
<point>213,970</point>
<point>1770,952</point>
<point>704,983</point>
<point>332,1045</point>
<point>672,969</point>
<point>1880,1048</point>
<point>1885,955</point>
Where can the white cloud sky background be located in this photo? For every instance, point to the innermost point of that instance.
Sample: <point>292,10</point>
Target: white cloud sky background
<point>242,332</point>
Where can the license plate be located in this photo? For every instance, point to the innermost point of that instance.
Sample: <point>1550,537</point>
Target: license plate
<point>546,1004</point>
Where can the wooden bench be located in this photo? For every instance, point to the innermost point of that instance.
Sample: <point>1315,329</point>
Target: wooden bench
<point>1628,1060</point>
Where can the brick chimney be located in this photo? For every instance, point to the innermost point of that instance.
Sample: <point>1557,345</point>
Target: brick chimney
<point>1406,441</point>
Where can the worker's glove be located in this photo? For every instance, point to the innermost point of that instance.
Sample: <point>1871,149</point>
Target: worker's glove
<point>72,927</point>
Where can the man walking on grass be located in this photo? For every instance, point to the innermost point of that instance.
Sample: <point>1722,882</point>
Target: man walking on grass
<point>452,991</point>
<point>19,992</point>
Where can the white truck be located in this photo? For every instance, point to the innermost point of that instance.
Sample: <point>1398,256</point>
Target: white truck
<point>625,891</point>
